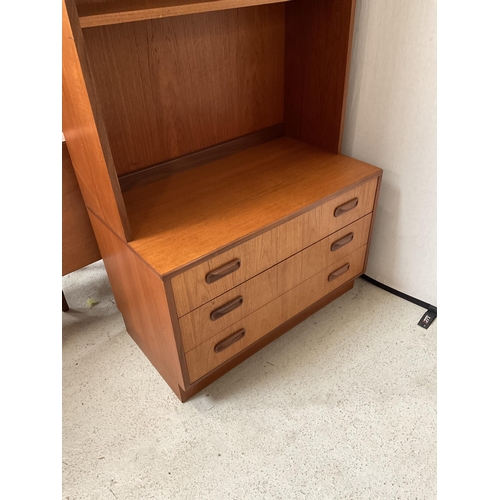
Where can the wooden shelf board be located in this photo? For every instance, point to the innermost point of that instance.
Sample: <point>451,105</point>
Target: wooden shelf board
<point>117,11</point>
<point>183,218</point>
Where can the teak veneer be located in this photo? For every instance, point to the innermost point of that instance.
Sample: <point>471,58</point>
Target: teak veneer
<point>98,13</point>
<point>79,246</point>
<point>185,217</point>
<point>206,138</point>
<point>277,280</point>
<point>203,358</point>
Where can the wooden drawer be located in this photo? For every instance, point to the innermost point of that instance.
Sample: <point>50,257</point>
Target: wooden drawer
<point>204,358</point>
<point>221,312</point>
<point>191,289</point>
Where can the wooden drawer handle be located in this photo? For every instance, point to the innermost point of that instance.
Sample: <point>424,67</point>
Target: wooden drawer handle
<point>339,272</point>
<point>230,340</point>
<point>226,308</point>
<point>222,271</point>
<point>346,207</point>
<point>342,242</point>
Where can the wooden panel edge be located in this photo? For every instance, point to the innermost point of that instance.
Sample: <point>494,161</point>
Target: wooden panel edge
<point>90,17</point>
<point>199,158</point>
<point>79,246</point>
<point>374,213</point>
<point>175,387</point>
<point>227,366</point>
<point>347,73</point>
<point>269,227</point>
<point>177,331</point>
<point>140,297</point>
<point>84,130</point>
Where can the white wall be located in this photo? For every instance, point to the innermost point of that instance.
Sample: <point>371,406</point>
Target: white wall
<point>391,123</point>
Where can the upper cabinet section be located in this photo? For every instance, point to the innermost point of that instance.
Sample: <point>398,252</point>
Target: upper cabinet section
<point>103,12</point>
<point>156,87</point>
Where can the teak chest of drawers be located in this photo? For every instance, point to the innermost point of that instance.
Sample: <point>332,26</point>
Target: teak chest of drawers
<point>224,212</point>
<point>265,269</point>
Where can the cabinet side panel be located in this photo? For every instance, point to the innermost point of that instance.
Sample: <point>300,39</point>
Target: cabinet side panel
<point>170,87</point>
<point>140,297</point>
<point>84,132</point>
<point>317,52</point>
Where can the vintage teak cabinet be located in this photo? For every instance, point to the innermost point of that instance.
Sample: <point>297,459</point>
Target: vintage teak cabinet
<point>205,136</point>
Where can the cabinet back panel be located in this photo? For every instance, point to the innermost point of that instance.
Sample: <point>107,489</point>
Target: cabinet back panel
<point>177,85</point>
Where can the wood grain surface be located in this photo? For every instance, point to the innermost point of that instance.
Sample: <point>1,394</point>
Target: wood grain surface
<point>79,246</point>
<point>263,341</point>
<point>267,249</point>
<point>318,45</point>
<point>99,13</point>
<point>140,297</point>
<point>173,86</point>
<point>202,359</point>
<point>199,158</point>
<point>84,130</point>
<point>197,327</point>
<point>184,218</point>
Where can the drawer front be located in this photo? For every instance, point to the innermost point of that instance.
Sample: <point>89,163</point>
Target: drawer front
<point>221,312</point>
<point>229,269</point>
<point>229,342</point>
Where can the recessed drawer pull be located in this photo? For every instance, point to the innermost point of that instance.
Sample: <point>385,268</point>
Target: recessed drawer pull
<point>339,272</point>
<point>342,242</point>
<point>230,340</point>
<point>226,308</point>
<point>222,271</point>
<point>346,207</point>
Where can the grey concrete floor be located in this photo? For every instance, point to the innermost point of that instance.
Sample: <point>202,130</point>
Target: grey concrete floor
<point>341,407</point>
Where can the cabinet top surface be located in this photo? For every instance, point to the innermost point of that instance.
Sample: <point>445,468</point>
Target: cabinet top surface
<point>184,218</point>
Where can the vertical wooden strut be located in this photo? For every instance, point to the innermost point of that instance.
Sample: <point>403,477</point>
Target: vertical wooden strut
<point>85,133</point>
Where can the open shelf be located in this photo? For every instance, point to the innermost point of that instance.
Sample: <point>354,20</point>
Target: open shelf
<point>183,218</point>
<point>117,12</point>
